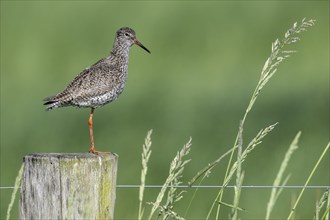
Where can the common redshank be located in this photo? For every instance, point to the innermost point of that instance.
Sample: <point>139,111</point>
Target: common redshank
<point>100,83</point>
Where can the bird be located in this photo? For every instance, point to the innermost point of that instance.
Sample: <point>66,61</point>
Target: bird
<point>101,83</point>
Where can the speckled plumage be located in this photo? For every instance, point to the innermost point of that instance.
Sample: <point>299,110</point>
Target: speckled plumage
<point>102,82</point>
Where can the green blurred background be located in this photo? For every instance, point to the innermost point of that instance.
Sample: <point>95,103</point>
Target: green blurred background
<point>205,61</point>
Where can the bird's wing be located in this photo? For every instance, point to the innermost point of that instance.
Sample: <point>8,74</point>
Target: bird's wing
<point>94,80</point>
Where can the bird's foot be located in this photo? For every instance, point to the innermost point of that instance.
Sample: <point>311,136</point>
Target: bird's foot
<point>93,151</point>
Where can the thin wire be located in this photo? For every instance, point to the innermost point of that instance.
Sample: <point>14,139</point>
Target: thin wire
<point>209,187</point>
<point>217,187</point>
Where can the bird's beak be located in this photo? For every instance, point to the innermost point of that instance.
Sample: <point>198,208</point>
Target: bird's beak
<point>141,45</point>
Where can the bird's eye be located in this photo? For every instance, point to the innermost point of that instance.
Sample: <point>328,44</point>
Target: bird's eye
<point>127,34</point>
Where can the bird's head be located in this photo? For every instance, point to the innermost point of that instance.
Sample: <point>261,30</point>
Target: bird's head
<point>127,36</point>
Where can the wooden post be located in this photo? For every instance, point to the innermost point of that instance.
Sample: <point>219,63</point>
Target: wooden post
<point>68,186</point>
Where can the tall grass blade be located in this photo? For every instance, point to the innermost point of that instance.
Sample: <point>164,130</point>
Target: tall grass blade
<point>207,170</point>
<point>308,179</point>
<point>277,182</point>
<point>175,173</point>
<point>326,213</point>
<point>232,206</point>
<point>146,152</point>
<point>277,56</point>
<point>239,174</point>
<point>251,146</point>
<point>16,187</point>
<point>319,205</point>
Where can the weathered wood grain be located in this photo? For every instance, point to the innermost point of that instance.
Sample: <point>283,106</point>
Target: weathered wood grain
<point>68,186</point>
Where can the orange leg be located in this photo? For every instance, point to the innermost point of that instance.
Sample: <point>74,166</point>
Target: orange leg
<point>90,124</point>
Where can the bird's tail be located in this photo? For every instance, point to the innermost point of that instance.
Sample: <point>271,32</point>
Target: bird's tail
<point>52,102</point>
